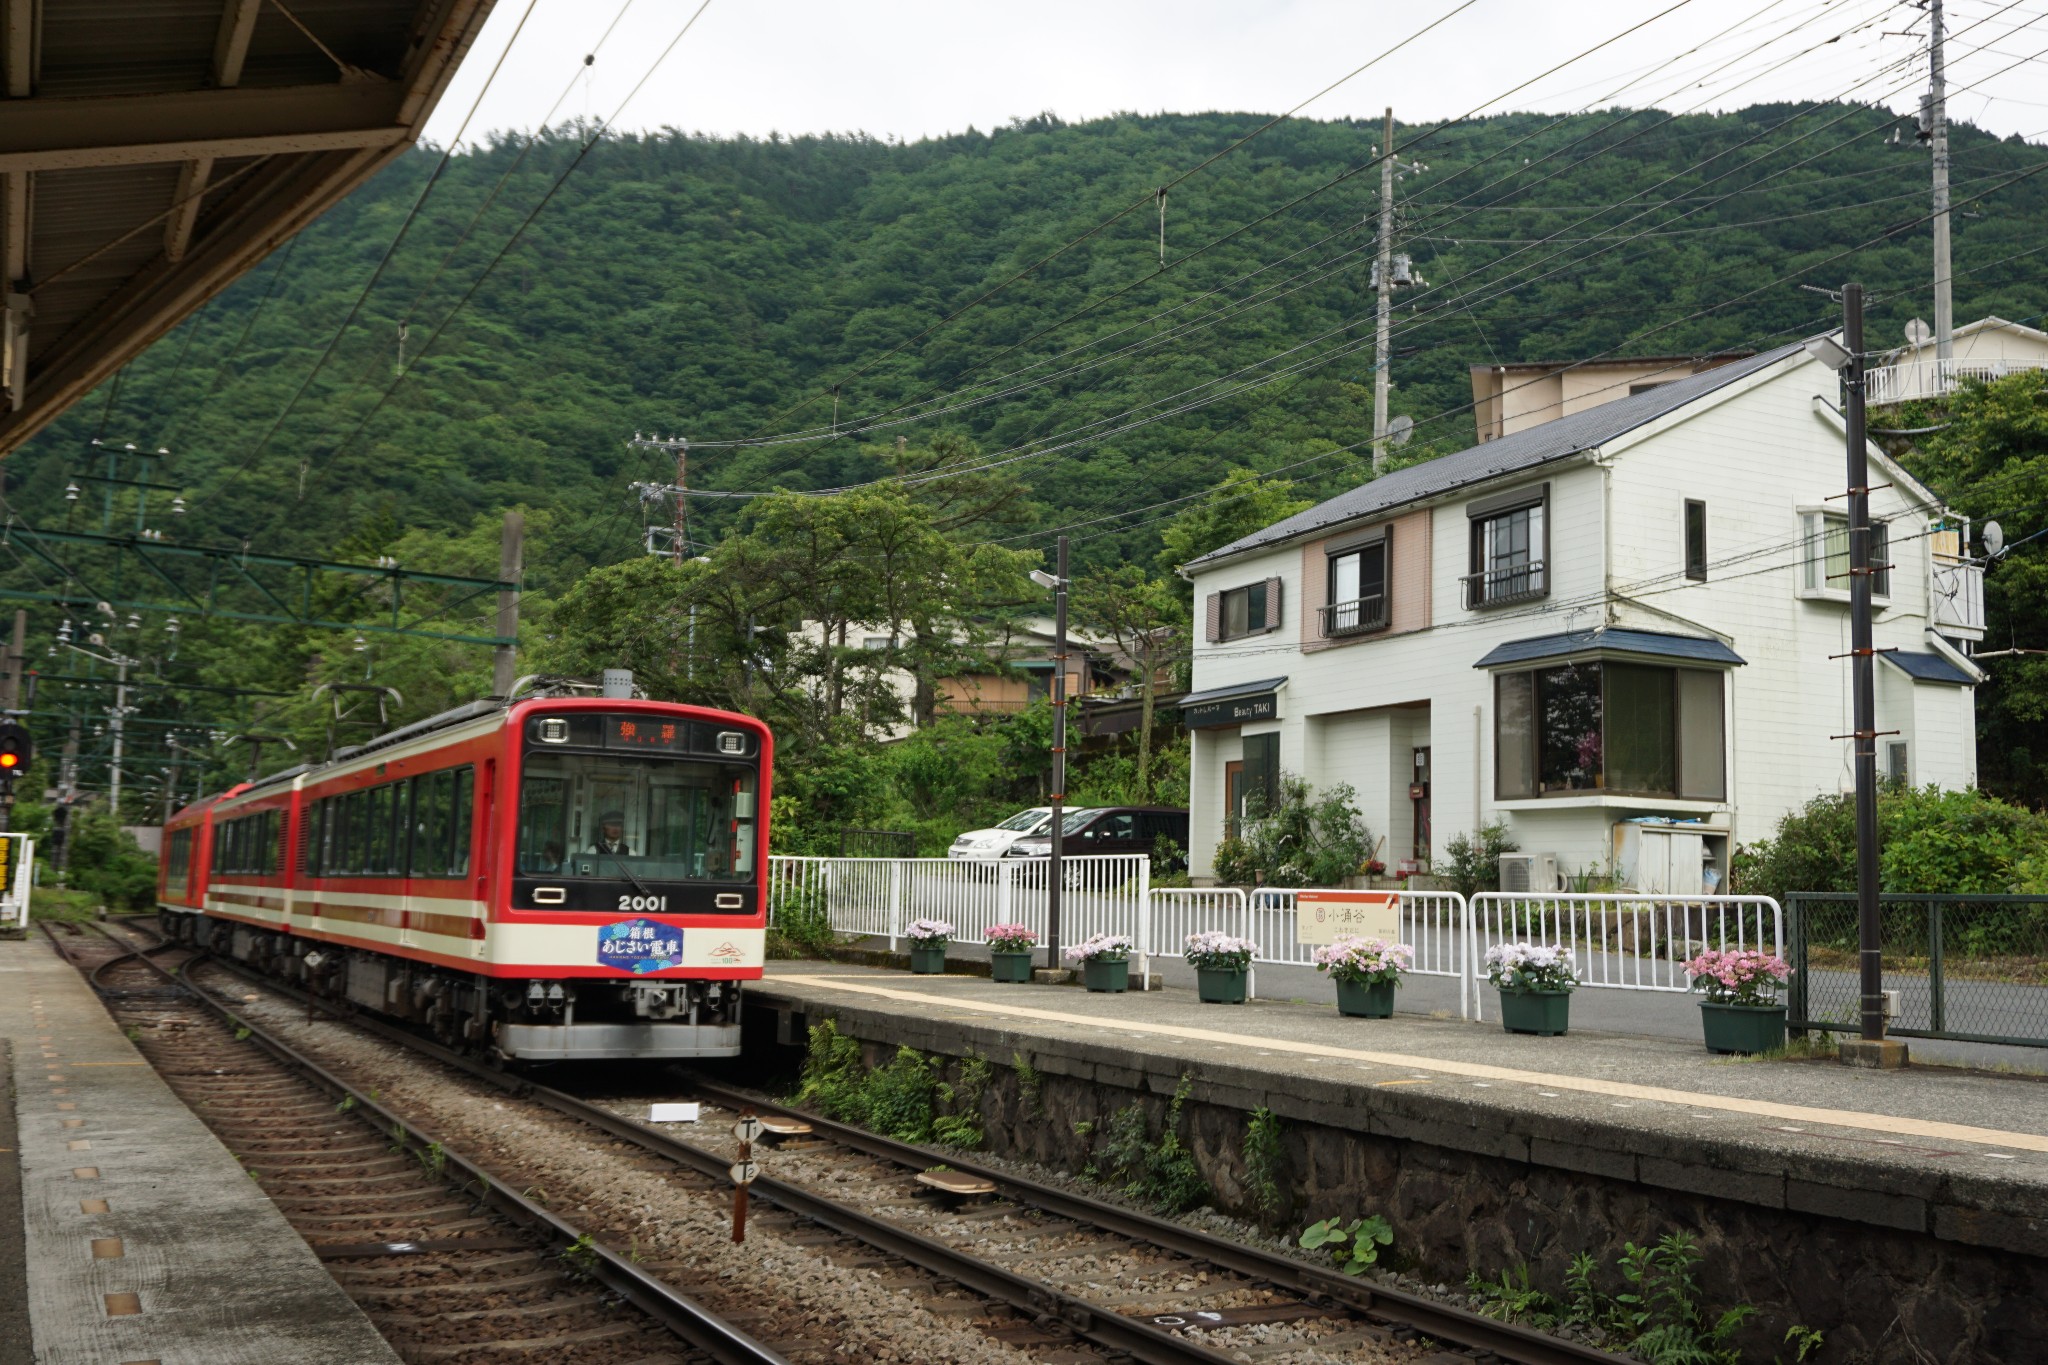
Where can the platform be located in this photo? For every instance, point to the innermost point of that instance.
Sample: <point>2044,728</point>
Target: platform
<point>1961,1156</point>
<point>143,1237</point>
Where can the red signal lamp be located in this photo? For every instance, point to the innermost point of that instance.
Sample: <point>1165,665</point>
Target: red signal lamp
<point>10,760</point>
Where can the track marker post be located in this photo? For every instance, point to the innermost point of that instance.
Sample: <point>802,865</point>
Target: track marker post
<point>743,1171</point>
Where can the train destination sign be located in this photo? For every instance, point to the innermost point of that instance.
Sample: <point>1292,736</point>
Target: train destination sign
<point>1326,916</point>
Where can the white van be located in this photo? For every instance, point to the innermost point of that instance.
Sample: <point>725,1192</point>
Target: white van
<point>987,845</point>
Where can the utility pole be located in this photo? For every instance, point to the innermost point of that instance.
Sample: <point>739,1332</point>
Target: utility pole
<point>1871,1048</point>
<point>511,563</point>
<point>1384,276</point>
<point>17,665</point>
<point>1055,880</point>
<point>679,514</point>
<point>115,727</point>
<point>1937,136</point>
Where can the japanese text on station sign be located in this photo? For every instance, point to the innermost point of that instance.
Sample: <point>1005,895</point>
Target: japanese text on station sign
<point>1326,916</point>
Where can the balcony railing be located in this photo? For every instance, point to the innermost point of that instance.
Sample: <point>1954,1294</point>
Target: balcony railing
<point>1517,583</point>
<point>1933,378</point>
<point>1361,616</point>
<point>1957,597</point>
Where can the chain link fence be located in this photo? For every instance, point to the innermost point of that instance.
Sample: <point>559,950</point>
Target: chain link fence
<point>1971,969</point>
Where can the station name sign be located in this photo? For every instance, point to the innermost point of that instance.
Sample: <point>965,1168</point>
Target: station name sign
<point>1231,711</point>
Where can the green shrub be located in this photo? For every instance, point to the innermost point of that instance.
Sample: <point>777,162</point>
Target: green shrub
<point>1472,861</point>
<point>1298,839</point>
<point>1161,1171</point>
<point>1930,840</point>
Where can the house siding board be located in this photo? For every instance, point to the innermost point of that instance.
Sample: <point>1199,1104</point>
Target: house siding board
<point>1408,578</point>
<point>1754,454</point>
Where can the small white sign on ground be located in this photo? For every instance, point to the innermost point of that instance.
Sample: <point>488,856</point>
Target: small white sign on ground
<point>682,1112</point>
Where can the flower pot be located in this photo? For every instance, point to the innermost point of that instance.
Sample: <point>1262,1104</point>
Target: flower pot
<point>1742,1028</point>
<point>1221,985</point>
<point>928,961</point>
<point>1365,1000</point>
<point>1010,966</point>
<point>1544,1013</point>
<point>1110,978</point>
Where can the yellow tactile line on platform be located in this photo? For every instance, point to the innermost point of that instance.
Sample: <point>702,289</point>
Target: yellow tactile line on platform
<point>1837,1118</point>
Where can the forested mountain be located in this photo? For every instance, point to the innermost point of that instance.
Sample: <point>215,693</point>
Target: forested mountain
<point>727,289</point>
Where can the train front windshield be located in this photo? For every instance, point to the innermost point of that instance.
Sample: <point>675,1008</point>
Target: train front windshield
<point>637,797</point>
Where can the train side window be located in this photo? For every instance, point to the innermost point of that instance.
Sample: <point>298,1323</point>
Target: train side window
<point>430,825</point>
<point>463,822</point>
<point>354,854</point>
<point>401,826</point>
<point>379,853</point>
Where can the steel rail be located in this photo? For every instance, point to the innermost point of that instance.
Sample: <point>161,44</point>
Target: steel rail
<point>1042,1303</point>
<point>1443,1322</point>
<point>692,1322</point>
<point>1453,1326</point>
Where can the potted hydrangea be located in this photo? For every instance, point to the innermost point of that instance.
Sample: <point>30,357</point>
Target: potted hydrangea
<point>1009,951</point>
<point>1367,972</point>
<point>1221,963</point>
<point>928,940</point>
<point>1536,982</point>
<point>1742,1012</point>
<point>1105,962</point>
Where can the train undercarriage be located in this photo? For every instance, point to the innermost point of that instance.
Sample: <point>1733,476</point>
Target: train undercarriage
<point>536,1019</point>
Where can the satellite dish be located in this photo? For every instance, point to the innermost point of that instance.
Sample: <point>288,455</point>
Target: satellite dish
<point>1994,539</point>
<point>1917,333</point>
<point>1399,430</point>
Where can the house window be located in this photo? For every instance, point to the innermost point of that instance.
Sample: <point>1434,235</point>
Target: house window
<point>1638,729</point>
<point>1696,540</point>
<point>1510,541</point>
<point>1358,588</point>
<point>1250,610</point>
<point>874,642</point>
<point>1825,570</point>
<point>1895,769</point>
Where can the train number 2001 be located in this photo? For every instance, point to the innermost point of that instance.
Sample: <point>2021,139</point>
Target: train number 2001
<point>643,903</point>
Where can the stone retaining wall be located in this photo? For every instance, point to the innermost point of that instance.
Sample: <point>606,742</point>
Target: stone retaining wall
<point>1888,1277</point>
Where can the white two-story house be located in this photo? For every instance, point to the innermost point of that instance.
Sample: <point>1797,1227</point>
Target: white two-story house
<point>1628,622</point>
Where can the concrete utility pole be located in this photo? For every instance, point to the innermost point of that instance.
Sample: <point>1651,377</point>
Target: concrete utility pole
<point>1937,135</point>
<point>17,665</point>
<point>511,562</point>
<point>1055,880</point>
<point>1383,334</point>
<point>1871,1048</point>
<point>116,724</point>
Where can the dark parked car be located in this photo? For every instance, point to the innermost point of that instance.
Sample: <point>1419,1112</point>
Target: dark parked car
<point>1113,829</point>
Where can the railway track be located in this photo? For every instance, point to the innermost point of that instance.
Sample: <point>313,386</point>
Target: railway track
<point>448,1262</point>
<point>1180,1295</point>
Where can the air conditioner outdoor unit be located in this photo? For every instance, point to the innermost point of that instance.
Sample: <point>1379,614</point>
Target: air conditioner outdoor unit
<point>1528,872</point>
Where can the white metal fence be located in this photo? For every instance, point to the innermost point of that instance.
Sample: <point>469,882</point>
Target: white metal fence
<point>1623,941</point>
<point>1620,941</point>
<point>881,897</point>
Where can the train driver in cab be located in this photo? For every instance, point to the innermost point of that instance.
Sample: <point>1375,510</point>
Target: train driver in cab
<point>611,835</point>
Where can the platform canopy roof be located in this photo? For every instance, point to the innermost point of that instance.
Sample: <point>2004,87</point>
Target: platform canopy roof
<point>150,154</point>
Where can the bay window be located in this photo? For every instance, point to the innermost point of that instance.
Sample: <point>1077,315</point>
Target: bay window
<point>1607,725</point>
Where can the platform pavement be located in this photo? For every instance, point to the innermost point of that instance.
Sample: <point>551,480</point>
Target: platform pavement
<point>1961,1155</point>
<point>145,1240</point>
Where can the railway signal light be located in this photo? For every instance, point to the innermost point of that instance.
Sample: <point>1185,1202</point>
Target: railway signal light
<point>16,749</point>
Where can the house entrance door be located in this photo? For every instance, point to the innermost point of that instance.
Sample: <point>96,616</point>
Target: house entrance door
<point>1418,796</point>
<point>1233,797</point>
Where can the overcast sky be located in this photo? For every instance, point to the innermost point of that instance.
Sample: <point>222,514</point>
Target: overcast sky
<point>918,68</point>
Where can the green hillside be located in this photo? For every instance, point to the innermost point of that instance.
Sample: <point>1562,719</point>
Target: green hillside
<point>720,289</point>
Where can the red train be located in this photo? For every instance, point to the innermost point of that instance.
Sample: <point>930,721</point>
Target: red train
<point>554,878</point>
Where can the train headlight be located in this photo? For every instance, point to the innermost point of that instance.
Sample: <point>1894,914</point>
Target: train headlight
<point>731,742</point>
<point>553,730</point>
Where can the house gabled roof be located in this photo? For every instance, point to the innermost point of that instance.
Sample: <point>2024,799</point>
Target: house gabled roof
<point>1524,450</point>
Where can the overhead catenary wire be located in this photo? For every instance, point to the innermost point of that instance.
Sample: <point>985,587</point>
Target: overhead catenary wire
<point>518,234</point>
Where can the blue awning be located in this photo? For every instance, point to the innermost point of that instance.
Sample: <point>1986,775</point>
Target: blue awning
<point>1247,689</point>
<point>1692,649</point>
<point>1927,667</point>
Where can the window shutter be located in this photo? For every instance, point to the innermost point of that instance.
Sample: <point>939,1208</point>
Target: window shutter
<point>1215,631</point>
<point>1272,604</point>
